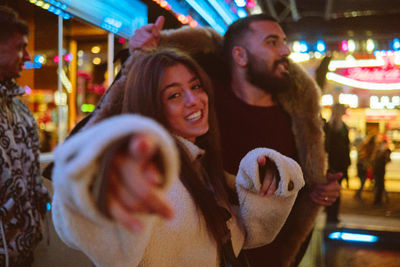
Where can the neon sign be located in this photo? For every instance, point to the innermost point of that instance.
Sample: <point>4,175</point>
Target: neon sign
<point>377,115</point>
<point>372,74</point>
<point>32,65</point>
<point>379,74</point>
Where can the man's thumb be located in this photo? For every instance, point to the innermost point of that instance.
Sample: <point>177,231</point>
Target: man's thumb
<point>160,22</point>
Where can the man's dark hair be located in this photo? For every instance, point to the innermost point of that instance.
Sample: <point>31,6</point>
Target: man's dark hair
<point>236,33</point>
<point>10,23</point>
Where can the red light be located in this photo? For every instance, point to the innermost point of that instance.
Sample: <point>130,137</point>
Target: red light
<point>68,57</point>
<point>121,40</point>
<point>345,46</point>
<point>164,4</point>
<point>250,3</point>
<point>56,59</point>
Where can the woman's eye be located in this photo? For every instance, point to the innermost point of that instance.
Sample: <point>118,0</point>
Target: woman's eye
<point>173,96</point>
<point>196,86</point>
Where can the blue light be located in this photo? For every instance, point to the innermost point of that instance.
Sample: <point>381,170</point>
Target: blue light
<point>210,20</point>
<point>109,27</point>
<point>32,65</point>
<point>113,22</point>
<point>224,12</point>
<point>321,47</point>
<point>396,44</point>
<point>303,47</point>
<point>39,59</point>
<point>63,6</point>
<point>48,206</point>
<point>353,237</point>
<point>241,13</point>
<point>51,9</point>
<point>66,16</point>
<point>57,11</point>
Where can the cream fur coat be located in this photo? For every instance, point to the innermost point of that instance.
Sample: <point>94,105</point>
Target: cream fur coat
<point>181,241</point>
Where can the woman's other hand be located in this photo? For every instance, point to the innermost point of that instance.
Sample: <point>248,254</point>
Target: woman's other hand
<point>269,176</point>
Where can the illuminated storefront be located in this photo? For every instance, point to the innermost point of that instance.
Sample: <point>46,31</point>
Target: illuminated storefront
<point>371,88</point>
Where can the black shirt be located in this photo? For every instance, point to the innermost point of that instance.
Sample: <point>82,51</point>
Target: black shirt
<point>244,127</point>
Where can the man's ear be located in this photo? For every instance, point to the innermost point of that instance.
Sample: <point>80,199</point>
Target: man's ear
<point>239,55</point>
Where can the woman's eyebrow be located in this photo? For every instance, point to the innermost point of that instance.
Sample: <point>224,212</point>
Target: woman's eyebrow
<point>177,84</point>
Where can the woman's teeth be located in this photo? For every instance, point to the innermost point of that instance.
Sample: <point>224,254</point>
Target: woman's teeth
<point>194,116</point>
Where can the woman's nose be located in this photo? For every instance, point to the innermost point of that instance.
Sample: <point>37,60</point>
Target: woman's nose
<point>190,98</point>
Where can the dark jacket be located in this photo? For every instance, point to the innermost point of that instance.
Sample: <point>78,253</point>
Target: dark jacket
<point>337,145</point>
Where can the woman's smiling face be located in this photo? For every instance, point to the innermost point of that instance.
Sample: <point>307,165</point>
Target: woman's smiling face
<point>185,103</point>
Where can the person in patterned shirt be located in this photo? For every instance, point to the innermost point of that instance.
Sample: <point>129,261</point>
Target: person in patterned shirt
<point>23,197</point>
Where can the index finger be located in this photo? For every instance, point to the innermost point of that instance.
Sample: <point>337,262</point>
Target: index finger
<point>142,147</point>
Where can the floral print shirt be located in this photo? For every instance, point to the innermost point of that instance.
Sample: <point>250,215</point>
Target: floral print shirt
<point>23,197</point>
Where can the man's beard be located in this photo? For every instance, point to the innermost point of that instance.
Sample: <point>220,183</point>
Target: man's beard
<point>258,75</point>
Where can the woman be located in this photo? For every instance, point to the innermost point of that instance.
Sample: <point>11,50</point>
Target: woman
<point>365,159</point>
<point>114,192</point>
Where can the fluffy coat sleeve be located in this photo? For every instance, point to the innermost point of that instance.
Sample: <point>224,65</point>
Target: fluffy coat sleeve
<point>264,216</point>
<point>76,217</point>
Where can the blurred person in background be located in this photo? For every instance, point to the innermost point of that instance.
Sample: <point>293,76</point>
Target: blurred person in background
<point>381,158</point>
<point>23,197</point>
<point>366,153</point>
<point>337,146</point>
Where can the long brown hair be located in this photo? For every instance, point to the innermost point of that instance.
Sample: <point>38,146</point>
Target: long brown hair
<point>143,96</point>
